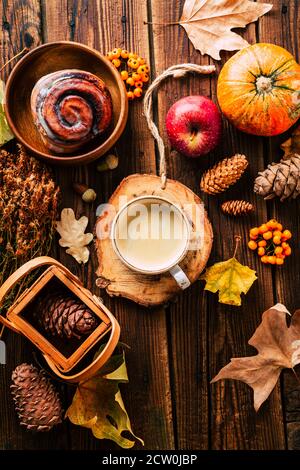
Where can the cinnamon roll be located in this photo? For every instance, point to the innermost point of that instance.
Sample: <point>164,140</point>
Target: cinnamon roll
<point>69,108</point>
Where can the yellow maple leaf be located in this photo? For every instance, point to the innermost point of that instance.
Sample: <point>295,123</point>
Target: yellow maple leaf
<point>230,278</point>
<point>208,23</point>
<point>98,404</point>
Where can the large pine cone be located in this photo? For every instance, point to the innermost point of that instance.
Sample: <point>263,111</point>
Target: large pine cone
<point>65,316</point>
<point>280,179</point>
<point>36,401</point>
<point>224,174</point>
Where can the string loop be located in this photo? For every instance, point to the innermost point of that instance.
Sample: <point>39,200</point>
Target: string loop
<point>176,71</point>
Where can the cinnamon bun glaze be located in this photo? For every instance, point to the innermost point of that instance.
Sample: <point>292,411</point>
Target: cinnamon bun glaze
<point>69,108</point>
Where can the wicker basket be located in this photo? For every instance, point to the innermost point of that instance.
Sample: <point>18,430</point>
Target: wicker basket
<point>63,363</point>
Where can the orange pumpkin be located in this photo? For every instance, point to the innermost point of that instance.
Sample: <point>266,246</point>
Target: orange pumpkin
<point>259,89</point>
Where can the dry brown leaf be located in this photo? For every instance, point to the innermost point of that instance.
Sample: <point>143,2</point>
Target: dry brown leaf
<point>208,23</point>
<point>73,236</point>
<point>278,348</point>
<point>292,145</point>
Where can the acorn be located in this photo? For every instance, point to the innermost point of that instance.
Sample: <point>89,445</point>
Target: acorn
<point>110,162</point>
<point>87,194</point>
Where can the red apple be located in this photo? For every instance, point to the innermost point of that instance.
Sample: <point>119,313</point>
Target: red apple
<point>194,126</point>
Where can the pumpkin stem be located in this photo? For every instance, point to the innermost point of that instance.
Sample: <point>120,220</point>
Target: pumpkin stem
<point>264,84</point>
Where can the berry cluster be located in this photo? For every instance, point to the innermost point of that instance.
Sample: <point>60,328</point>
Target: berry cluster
<point>270,240</point>
<point>133,69</point>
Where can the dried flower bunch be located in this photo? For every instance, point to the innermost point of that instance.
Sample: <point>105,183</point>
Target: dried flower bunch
<point>28,210</point>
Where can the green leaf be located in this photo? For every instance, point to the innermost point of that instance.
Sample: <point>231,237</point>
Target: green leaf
<point>98,405</point>
<point>230,278</point>
<point>5,132</point>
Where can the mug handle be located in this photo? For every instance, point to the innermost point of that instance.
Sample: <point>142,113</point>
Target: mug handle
<point>180,277</point>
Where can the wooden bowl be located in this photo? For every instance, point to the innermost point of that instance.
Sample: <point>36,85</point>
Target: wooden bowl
<point>52,57</point>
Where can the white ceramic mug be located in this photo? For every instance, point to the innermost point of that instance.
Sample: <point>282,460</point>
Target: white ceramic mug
<point>161,242</point>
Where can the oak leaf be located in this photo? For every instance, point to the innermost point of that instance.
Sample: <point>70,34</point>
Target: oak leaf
<point>230,278</point>
<point>278,348</point>
<point>98,405</point>
<point>73,236</point>
<point>5,132</point>
<point>208,23</point>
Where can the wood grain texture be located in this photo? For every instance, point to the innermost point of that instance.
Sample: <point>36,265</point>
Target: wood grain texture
<point>98,24</point>
<point>282,28</point>
<point>234,421</point>
<point>20,21</point>
<point>174,351</point>
<point>187,318</point>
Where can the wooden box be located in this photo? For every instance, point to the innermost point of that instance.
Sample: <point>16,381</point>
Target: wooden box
<point>62,355</point>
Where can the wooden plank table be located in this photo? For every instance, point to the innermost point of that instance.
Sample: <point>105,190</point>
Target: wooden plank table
<point>175,350</point>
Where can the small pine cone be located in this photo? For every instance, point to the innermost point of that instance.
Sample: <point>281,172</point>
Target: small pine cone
<point>65,316</point>
<point>36,401</point>
<point>237,207</point>
<point>224,174</point>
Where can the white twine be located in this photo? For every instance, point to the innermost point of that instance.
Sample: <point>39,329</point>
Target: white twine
<point>176,71</point>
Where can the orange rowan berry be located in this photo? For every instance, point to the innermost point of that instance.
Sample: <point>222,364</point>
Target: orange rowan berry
<point>264,259</point>
<point>132,55</point>
<point>276,240</point>
<point>132,63</point>
<point>272,224</point>
<point>279,227</point>
<point>261,251</point>
<point>277,233</point>
<point>262,243</point>
<point>124,54</point>
<point>145,77</point>
<point>280,255</point>
<point>109,55</point>
<point>116,52</point>
<point>116,63</point>
<point>130,81</point>
<point>139,84</point>
<point>272,259</point>
<point>143,68</point>
<point>267,235</point>
<point>136,76</point>
<point>254,231</point>
<point>252,245</point>
<point>286,235</point>
<point>141,60</point>
<point>288,251</point>
<point>138,92</point>
<point>285,245</point>
<point>263,228</point>
<point>279,261</point>
<point>130,95</point>
<point>278,250</point>
<point>124,75</point>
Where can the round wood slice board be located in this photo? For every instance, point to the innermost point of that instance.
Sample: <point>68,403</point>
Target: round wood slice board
<point>148,290</point>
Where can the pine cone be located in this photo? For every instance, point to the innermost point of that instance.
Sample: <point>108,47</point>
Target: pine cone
<point>280,179</point>
<point>36,401</point>
<point>65,316</point>
<point>222,175</point>
<point>237,207</point>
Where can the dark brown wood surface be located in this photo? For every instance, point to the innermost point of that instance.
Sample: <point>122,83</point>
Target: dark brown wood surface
<point>175,350</point>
